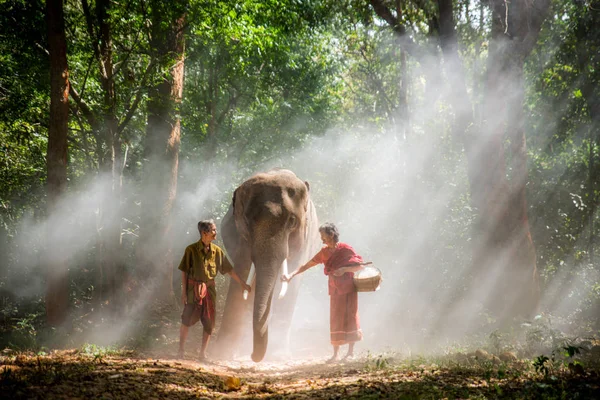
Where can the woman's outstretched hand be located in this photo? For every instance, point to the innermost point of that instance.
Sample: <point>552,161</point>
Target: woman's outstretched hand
<point>286,277</point>
<point>245,286</point>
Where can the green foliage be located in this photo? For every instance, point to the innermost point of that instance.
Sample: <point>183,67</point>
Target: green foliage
<point>540,365</point>
<point>23,98</point>
<point>263,78</point>
<point>253,83</point>
<point>545,365</point>
<point>571,350</point>
<point>380,362</point>
<point>25,332</point>
<point>98,352</point>
<point>563,142</point>
<point>540,334</point>
<point>497,341</point>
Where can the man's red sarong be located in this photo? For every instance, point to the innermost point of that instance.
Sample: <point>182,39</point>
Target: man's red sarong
<point>203,307</point>
<point>344,322</point>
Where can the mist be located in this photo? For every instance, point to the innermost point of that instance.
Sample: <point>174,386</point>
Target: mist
<point>391,200</point>
<point>398,192</point>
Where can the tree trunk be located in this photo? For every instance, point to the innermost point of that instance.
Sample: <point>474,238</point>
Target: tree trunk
<point>588,63</point>
<point>110,232</point>
<point>57,290</point>
<point>505,250</point>
<point>105,126</point>
<point>162,147</point>
<point>402,124</point>
<point>591,195</point>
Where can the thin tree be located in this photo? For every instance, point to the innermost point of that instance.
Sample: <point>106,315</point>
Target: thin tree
<point>57,293</point>
<point>106,126</point>
<point>162,143</point>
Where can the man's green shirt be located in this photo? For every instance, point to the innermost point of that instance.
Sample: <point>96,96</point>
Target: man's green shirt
<point>203,266</point>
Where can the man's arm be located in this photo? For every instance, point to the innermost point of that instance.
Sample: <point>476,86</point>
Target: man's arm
<point>236,277</point>
<point>227,266</point>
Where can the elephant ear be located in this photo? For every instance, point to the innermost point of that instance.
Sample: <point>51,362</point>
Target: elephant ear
<point>239,212</point>
<point>307,196</point>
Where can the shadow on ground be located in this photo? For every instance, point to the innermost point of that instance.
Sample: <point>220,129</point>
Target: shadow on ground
<point>73,374</point>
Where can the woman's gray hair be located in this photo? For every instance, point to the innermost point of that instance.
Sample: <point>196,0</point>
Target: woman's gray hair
<point>205,225</point>
<point>330,230</point>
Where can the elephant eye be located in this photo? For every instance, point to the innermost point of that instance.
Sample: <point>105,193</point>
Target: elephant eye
<point>293,222</point>
<point>291,192</point>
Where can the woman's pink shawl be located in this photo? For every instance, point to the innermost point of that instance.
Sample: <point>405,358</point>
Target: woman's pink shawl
<point>343,255</point>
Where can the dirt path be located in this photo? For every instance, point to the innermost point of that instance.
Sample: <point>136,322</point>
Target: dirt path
<point>77,375</point>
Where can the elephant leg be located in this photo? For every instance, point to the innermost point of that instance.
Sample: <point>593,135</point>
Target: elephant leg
<point>237,310</point>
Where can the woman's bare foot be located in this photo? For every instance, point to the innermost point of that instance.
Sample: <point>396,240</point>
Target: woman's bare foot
<point>349,357</point>
<point>332,360</point>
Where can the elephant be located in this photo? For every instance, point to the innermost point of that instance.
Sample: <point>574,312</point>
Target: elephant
<point>271,225</point>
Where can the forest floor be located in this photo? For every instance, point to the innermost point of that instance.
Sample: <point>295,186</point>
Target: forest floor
<point>99,373</point>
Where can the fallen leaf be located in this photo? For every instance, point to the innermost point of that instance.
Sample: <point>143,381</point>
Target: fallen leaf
<point>232,383</point>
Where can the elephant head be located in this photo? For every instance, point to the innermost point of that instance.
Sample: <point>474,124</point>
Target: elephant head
<point>271,223</point>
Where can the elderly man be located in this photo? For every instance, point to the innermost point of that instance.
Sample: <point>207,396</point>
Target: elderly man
<point>199,266</point>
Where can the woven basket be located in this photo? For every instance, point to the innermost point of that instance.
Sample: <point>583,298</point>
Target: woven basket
<point>367,279</point>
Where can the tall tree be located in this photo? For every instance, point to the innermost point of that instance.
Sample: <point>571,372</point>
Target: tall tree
<point>503,247</point>
<point>57,293</point>
<point>501,199</point>
<point>162,141</point>
<point>112,162</point>
<point>103,113</point>
<point>587,42</point>
<point>105,126</point>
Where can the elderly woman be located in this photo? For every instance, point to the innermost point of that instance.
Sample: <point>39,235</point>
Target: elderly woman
<point>341,261</point>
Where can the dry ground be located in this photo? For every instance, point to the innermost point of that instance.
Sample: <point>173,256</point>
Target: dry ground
<point>94,373</point>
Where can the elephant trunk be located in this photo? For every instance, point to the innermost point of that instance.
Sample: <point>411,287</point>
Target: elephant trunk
<point>264,289</point>
<point>260,321</point>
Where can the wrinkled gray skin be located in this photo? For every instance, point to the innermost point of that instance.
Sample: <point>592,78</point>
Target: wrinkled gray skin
<point>271,218</point>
